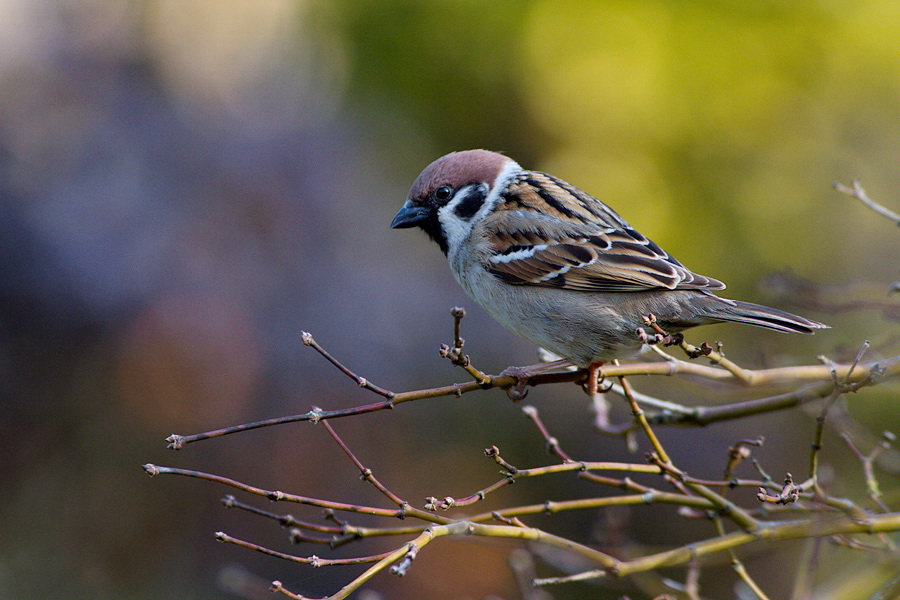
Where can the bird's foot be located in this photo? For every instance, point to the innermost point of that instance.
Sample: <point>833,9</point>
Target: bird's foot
<point>523,376</point>
<point>592,385</point>
<point>659,335</point>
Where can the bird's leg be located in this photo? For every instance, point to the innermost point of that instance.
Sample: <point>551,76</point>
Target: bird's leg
<point>661,336</point>
<point>524,374</point>
<point>592,385</point>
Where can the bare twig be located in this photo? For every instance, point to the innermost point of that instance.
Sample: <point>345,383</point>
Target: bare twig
<point>365,472</point>
<point>840,386</point>
<point>362,382</point>
<point>863,374</point>
<point>857,191</point>
<point>455,354</point>
<point>278,496</point>
<point>782,530</point>
<point>813,513</point>
<point>868,461</point>
<point>313,560</point>
<point>641,420</point>
<point>736,455</point>
<point>789,494</point>
<point>836,298</point>
<point>551,442</point>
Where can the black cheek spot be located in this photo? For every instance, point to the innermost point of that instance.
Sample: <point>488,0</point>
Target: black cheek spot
<point>469,205</point>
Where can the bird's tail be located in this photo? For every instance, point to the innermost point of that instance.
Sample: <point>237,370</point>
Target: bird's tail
<point>764,316</point>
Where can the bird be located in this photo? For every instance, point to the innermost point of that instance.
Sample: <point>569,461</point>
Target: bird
<point>560,268</point>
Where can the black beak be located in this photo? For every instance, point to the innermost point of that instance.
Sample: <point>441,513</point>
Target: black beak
<point>410,216</point>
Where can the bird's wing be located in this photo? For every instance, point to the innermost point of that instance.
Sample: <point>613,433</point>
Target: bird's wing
<point>547,232</point>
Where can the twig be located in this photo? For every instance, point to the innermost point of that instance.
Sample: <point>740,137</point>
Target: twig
<point>362,382</point>
<point>836,298</point>
<point>723,506</point>
<point>745,376</point>
<point>789,494</point>
<point>455,354</point>
<point>641,419</point>
<point>278,496</point>
<point>583,576</point>
<point>868,461</point>
<point>365,472</point>
<point>782,530</point>
<point>550,441</point>
<point>863,375</point>
<point>738,566</point>
<point>860,194</point>
<point>840,386</point>
<point>736,455</point>
<point>313,560</point>
<point>278,588</point>
<point>288,521</point>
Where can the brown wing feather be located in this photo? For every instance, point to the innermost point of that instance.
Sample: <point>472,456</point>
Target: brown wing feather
<point>549,233</point>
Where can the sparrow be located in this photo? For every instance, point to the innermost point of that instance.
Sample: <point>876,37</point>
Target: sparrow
<point>559,267</point>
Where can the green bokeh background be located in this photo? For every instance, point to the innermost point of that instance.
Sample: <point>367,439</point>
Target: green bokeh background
<point>185,186</point>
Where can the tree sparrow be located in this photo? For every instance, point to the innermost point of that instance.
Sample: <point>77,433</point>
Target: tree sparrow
<point>557,266</point>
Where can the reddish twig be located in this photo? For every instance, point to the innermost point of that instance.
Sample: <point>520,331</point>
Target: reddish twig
<point>362,382</point>
<point>365,472</point>
<point>551,443</point>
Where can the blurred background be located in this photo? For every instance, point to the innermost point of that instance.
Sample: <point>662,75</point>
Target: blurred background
<point>185,186</point>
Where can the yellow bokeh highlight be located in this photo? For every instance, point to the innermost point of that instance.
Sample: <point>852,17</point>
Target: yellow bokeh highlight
<point>606,83</point>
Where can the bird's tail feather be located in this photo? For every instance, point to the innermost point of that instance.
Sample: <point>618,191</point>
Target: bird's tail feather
<point>764,316</point>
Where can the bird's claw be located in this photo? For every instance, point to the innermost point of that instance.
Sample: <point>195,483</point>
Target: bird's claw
<point>522,376</point>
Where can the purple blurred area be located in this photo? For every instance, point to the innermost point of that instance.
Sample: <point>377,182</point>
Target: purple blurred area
<point>164,240</point>
<point>186,187</point>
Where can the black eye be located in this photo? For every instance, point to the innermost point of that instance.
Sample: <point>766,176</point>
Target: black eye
<point>443,193</point>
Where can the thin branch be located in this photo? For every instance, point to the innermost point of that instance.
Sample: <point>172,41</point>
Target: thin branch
<point>864,374</point>
<point>278,588</point>
<point>736,455</point>
<point>550,441</point>
<point>840,386</point>
<point>278,496</point>
<point>738,566</point>
<point>455,354</point>
<point>362,382</point>
<point>868,462</point>
<point>859,193</point>
<point>313,560</point>
<point>641,419</point>
<point>785,530</point>
<point>365,472</point>
<point>723,506</point>
<point>288,521</point>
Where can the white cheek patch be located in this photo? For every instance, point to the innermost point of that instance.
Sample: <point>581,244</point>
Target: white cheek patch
<point>457,229</point>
